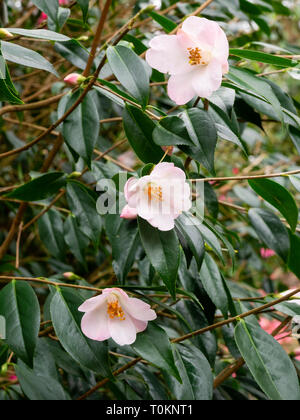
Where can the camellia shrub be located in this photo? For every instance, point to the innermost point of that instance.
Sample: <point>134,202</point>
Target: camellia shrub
<point>150,177</point>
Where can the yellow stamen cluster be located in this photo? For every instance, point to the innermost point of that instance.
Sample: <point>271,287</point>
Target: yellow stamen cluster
<point>114,310</point>
<point>195,56</point>
<point>154,191</point>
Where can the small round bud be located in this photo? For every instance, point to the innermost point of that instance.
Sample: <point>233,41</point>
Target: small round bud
<point>74,79</point>
<point>5,34</point>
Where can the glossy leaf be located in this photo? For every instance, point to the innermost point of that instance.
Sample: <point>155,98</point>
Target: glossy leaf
<point>83,206</point>
<point>202,131</point>
<point>130,71</point>
<point>154,346</point>
<point>39,188</point>
<point>279,197</point>
<point>212,282</point>
<point>20,308</point>
<point>256,346</point>
<point>162,249</point>
<point>66,321</point>
<point>271,231</point>
<point>26,57</point>
<point>139,129</point>
<point>81,128</point>
<point>196,374</point>
<point>50,229</point>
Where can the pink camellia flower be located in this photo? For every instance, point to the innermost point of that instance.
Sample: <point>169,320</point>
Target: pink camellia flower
<point>74,79</point>
<point>267,253</point>
<point>270,326</point>
<point>115,315</point>
<point>160,197</point>
<point>196,58</point>
<point>129,213</point>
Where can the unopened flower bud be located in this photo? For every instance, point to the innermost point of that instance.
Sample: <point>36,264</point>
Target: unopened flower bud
<point>74,79</point>
<point>71,276</point>
<point>5,34</point>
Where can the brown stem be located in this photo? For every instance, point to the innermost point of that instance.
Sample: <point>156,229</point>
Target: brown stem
<point>246,177</point>
<point>97,38</point>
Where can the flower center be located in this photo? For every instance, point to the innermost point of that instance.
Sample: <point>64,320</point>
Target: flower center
<point>114,310</point>
<point>154,191</point>
<point>198,57</point>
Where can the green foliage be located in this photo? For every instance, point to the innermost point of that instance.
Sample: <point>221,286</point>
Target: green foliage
<point>215,281</point>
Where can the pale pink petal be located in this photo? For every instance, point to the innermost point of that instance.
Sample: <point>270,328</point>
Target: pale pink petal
<point>221,49</point>
<point>207,79</point>
<point>202,30</point>
<point>122,332</point>
<point>167,56</point>
<point>93,303</point>
<point>168,170</point>
<point>139,309</point>
<point>139,325</point>
<point>186,41</point>
<point>225,68</point>
<point>94,324</point>
<point>163,222</point>
<point>129,188</point>
<point>129,213</point>
<point>119,292</point>
<point>181,89</point>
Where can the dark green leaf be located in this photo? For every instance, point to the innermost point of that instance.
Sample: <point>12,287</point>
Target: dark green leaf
<point>202,130</point>
<point>154,346</point>
<point>171,131</point>
<point>271,231</point>
<point>196,375</point>
<point>39,388</point>
<point>50,230</point>
<point>124,239</point>
<point>75,239</point>
<point>167,24</point>
<point>130,71</point>
<point>212,282</point>
<point>84,4</point>
<point>187,226</point>
<point>81,128</point>
<point>83,206</point>
<point>66,321</point>
<point>162,249</point>
<point>139,128</point>
<point>263,57</point>
<point>268,362</point>
<point>40,188</point>
<point>20,308</point>
<point>279,197</point>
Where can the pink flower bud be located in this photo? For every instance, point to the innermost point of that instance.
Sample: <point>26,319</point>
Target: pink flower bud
<point>266,253</point>
<point>115,315</point>
<point>74,79</point>
<point>128,213</point>
<point>168,149</point>
<point>43,17</point>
